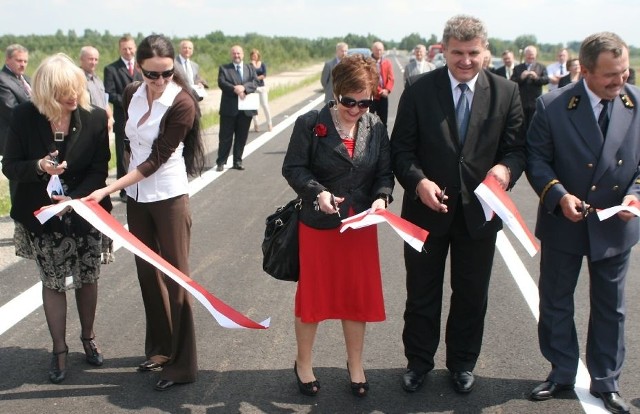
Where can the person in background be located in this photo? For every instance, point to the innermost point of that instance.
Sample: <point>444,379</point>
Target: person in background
<point>325,77</point>
<point>419,65</point>
<point>530,76</point>
<point>583,155</point>
<point>558,69</point>
<point>507,69</point>
<point>117,76</point>
<point>632,76</point>
<point>442,148</point>
<point>380,105</point>
<point>190,70</point>
<point>574,75</point>
<point>338,163</point>
<point>236,80</point>
<point>263,91</point>
<point>89,58</point>
<point>163,125</point>
<point>14,86</point>
<point>58,133</point>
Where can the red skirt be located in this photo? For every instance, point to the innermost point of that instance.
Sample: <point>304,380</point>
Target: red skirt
<point>339,275</point>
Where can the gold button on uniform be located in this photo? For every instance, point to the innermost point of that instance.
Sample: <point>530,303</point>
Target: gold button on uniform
<point>615,188</point>
<point>590,165</point>
<point>593,188</point>
<point>619,162</point>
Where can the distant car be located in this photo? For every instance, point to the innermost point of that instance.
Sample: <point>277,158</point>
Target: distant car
<point>438,60</point>
<point>496,63</point>
<point>361,50</point>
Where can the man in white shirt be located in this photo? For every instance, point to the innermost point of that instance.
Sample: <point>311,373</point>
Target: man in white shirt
<point>558,69</point>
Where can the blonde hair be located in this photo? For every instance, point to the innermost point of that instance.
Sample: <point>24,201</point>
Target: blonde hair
<point>56,78</point>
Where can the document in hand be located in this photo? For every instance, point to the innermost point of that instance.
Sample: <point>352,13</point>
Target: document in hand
<point>251,102</point>
<point>495,200</point>
<point>415,236</point>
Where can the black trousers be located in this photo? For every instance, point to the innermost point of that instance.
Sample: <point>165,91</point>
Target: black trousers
<point>471,263</point>
<point>381,108</point>
<point>229,126</point>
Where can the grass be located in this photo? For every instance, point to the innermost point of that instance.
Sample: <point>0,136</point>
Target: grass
<point>208,120</point>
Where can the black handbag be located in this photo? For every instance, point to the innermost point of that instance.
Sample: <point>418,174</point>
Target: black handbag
<point>280,244</point>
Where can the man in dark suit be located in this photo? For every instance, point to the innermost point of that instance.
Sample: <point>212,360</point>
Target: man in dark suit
<point>14,87</point>
<point>583,155</point>
<point>439,164</point>
<point>117,76</point>
<point>530,76</point>
<point>236,80</point>
<point>506,70</point>
<point>325,78</point>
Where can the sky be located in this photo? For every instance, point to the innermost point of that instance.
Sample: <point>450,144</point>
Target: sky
<point>551,21</point>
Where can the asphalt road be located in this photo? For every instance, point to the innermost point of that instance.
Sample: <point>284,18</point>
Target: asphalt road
<point>252,371</point>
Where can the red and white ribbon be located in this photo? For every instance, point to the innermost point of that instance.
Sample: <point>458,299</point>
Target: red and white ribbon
<point>104,222</point>
<point>415,236</point>
<point>495,200</point>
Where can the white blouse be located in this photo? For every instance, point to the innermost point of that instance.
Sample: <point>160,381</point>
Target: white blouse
<point>170,180</point>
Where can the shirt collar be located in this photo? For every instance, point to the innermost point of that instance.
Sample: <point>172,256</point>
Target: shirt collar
<point>454,82</point>
<point>168,96</point>
<point>126,62</point>
<point>593,98</point>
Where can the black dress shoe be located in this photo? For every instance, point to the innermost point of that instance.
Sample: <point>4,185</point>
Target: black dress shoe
<point>463,381</point>
<point>238,166</point>
<point>548,390</point>
<point>310,388</point>
<point>612,402</point>
<point>163,385</point>
<point>149,365</point>
<point>91,351</point>
<point>219,167</point>
<point>412,381</point>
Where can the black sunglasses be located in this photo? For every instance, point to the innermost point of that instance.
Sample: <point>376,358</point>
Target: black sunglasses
<point>156,75</point>
<point>350,102</point>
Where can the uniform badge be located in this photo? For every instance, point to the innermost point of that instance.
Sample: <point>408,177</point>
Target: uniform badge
<point>626,100</point>
<point>573,102</point>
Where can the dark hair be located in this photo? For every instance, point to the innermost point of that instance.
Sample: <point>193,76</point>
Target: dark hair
<point>193,152</point>
<point>355,73</point>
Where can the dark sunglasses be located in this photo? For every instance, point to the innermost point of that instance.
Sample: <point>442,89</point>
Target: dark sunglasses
<point>156,75</point>
<point>350,102</point>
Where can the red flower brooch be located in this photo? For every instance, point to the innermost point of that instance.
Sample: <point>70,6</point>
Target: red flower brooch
<point>320,130</point>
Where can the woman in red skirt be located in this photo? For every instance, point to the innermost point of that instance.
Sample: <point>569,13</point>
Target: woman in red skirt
<point>338,162</point>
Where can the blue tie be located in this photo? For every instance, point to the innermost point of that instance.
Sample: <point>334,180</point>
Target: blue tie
<point>603,119</point>
<point>462,112</point>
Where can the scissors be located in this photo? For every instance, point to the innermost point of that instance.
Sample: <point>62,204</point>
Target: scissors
<point>442,194</point>
<point>334,204</point>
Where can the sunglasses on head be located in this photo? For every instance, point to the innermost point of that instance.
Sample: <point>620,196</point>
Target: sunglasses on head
<point>156,75</point>
<point>350,102</point>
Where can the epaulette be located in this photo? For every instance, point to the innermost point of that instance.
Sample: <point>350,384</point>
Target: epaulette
<point>573,102</point>
<point>626,100</point>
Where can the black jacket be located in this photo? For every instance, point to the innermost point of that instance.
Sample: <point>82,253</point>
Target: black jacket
<point>312,167</point>
<point>86,152</point>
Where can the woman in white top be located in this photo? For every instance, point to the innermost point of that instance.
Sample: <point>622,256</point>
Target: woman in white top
<point>163,129</point>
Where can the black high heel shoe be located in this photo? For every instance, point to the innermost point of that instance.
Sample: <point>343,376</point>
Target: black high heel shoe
<point>307,388</point>
<point>91,350</point>
<point>57,374</point>
<point>359,389</point>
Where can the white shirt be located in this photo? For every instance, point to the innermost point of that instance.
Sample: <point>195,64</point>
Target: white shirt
<point>594,101</point>
<point>554,69</point>
<point>170,180</point>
